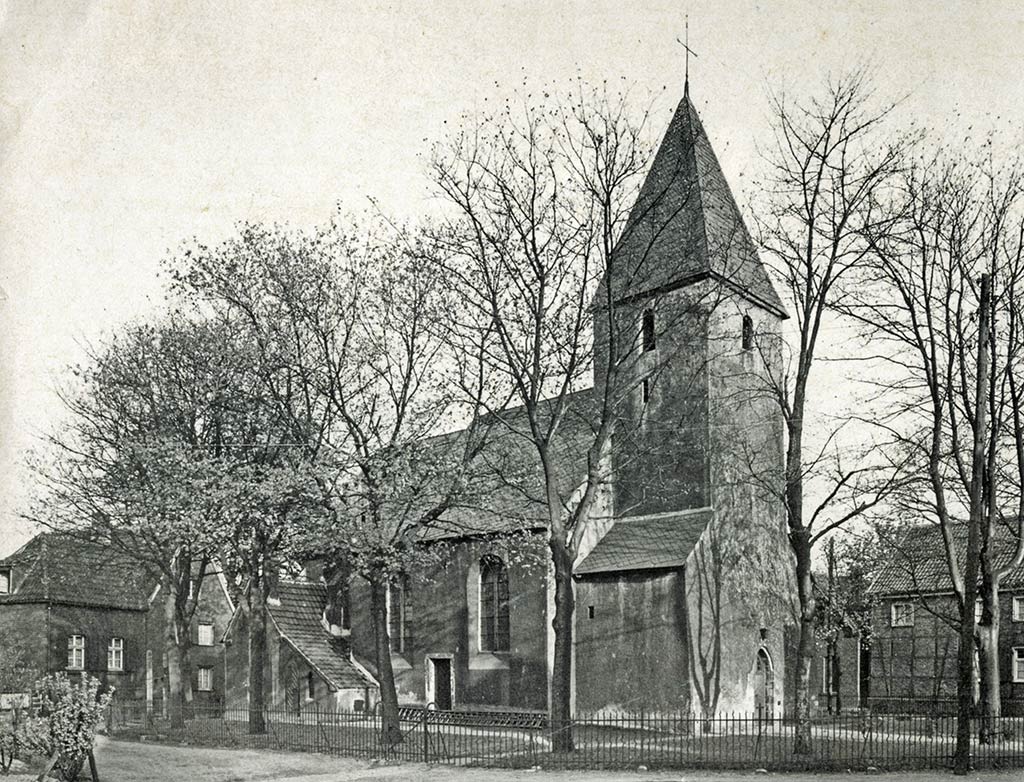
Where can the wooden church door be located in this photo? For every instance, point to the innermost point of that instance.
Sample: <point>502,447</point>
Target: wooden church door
<point>764,686</point>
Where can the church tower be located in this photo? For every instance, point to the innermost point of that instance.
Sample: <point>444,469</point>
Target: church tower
<point>693,298</point>
<point>687,580</point>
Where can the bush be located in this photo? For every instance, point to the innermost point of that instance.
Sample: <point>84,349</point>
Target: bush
<point>65,717</point>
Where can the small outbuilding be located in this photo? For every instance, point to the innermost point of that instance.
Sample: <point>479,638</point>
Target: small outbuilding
<point>309,662</point>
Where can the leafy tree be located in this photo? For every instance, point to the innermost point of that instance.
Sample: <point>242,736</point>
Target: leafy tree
<point>138,463</point>
<point>344,320</point>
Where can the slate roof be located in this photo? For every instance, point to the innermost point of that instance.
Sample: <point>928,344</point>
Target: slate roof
<point>509,483</point>
<point>74,570</point>
<point>918,562</point>
<point>654,542</point>
<point>686,226</point>
<point>297,619</point>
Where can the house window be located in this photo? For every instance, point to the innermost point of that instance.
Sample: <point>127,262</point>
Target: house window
<point>1018,663</point>
<point>826,675</point>
<point>979,608</point>
<point>590,612</point>
<point>647,331</point>
<point>748,332</point>
<point>76,652</point>
<point>205,678</point>
<point>205,635</point>
<point>5,581</point>
<point>1018,608</point>
<point>396,616</point>
<point>115,655</point>
<point>310,686</point>
<point>901,615</point>
<point>645,390</point>
<point>194,589</point>
<point>494,635</point>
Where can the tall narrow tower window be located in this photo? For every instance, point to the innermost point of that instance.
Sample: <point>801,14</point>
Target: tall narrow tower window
<point>748,332</point>
<point>647,331</point>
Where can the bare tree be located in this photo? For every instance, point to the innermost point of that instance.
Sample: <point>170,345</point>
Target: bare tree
<point>553,249</point>
<point>944,305</point>
<point>828,165</point>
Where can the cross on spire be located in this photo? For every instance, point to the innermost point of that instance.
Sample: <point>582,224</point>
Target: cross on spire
<point>686,45</point>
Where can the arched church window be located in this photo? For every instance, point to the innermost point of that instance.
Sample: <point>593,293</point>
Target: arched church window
<point>647,331</point>
<point>494,635</point>
<point>748,332</point>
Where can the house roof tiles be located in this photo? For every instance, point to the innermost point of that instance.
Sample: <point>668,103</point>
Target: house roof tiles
<point>918,562</point>
<point>74,570</point>
<point>298,621</point>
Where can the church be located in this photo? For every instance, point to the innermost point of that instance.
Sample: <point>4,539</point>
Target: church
<point>682,573</point>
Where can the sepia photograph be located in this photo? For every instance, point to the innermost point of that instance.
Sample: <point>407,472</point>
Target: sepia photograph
<point>532,389</point>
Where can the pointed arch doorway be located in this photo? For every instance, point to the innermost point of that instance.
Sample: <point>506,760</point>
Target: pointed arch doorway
<point>764,685</point>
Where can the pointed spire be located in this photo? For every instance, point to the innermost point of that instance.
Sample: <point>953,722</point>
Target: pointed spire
<point>686,226</point>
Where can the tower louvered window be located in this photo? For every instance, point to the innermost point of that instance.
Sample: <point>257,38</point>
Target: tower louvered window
<point>647,331</point>
<point>748,332</point>
<point>494,635</point>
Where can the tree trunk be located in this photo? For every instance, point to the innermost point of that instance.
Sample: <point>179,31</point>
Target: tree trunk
<point>257,658</point>
<point>805,647</point>
<point>561,673</point>
<point>183,646</point>
<point>837,676</point>
<point>173,652</point>
<point>989,728</point>
<point>391,732</point>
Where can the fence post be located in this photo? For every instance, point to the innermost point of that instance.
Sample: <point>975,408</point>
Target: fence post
<point>426,741</point>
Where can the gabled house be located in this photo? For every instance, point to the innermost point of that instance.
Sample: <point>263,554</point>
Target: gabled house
<point>309,664</point>
<point>81,605</point>
<point>683,568</point>
<point>914,636</point>
<point>84,606</point>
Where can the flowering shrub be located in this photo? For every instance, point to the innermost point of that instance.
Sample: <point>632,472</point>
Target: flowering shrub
<point>64,721</point>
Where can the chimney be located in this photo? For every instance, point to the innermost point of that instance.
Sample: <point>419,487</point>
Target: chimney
<point>313,569</point>
<point>272,578</point>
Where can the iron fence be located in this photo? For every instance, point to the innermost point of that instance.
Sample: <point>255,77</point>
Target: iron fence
<point>855,741</point>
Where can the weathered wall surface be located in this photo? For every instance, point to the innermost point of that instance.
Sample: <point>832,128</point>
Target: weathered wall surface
<point>25,625</point>
<point>442,611</point>
<point>919,662</point>
<point>631,643</point>
<point>659,447</point>
<point>99,625</point>
<point>738,579</point>
<point>213,608</point>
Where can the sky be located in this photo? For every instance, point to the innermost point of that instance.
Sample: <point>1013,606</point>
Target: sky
<point>128,127</point>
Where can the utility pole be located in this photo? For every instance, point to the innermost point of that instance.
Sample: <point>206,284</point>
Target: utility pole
<point>965,667</point>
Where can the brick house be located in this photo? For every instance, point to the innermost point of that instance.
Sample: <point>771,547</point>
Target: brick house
<point>913,658</point>
<point>206,651</point>
<point>309,665</point>
<point>84,606</point>
<point>683,568</point>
